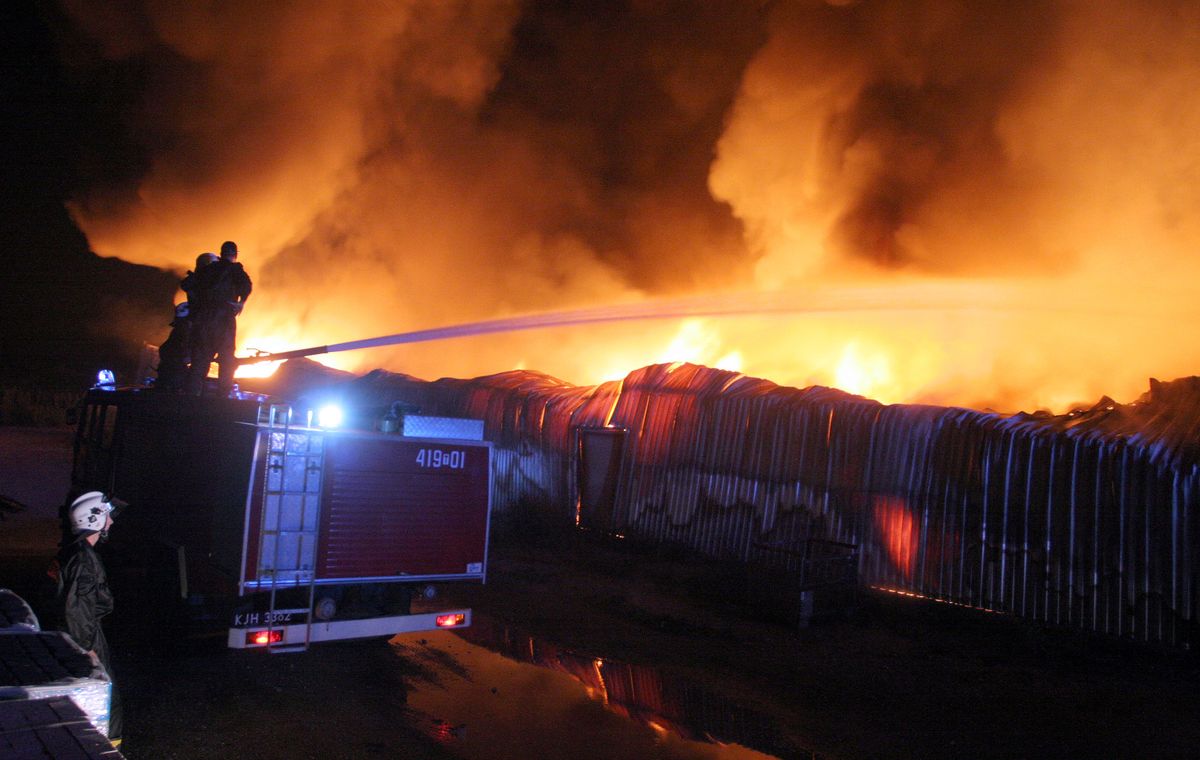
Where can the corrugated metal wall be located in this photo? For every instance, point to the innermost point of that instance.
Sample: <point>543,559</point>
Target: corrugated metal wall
<point>1085,520</point>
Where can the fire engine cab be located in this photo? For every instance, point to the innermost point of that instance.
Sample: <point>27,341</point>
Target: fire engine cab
<point>296,527</point>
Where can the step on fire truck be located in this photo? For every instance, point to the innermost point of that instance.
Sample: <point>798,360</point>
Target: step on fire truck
<point>297,528</point>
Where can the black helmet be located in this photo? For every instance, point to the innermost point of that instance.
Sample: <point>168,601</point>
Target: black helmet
<point>205,259</point>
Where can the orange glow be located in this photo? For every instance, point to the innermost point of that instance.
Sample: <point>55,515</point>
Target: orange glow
<point>939,600</point>
<point>968,343</point>
<point>864,376</point>
<point>698,343</point>
<point>598,673</point>
<point>262,369</point>
<point>1014,201</point>
<point>899,532</point>
<point>1008,346</point>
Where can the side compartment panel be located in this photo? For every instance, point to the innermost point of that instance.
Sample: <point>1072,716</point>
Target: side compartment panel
<point>395,506</point>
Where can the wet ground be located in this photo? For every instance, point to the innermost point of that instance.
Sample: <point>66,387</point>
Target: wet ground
<point>585,649</point>
<point>486,698</point>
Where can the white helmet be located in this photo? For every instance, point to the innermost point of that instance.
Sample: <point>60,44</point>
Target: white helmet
<point>89,512</point>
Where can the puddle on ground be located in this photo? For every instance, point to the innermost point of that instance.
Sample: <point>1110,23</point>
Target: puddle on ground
<point>490,692</point>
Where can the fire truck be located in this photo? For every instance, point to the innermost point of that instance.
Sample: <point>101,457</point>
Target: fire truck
<point>294,525</point>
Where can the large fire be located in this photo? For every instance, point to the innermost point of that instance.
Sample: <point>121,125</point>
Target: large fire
<point>974,344</point>
<point>396,167</point>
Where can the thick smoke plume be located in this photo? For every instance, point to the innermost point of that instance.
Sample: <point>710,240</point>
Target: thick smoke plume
<point>1050,146</point>
<point>857,124</point>
<point>401,165</point>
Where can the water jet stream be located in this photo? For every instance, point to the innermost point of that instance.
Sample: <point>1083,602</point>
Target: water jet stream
<point>926,296</point>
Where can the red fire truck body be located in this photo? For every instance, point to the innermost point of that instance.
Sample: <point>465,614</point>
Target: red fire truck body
<point>300,532</point>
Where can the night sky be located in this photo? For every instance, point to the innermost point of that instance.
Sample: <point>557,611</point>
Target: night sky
<point>57,298</point>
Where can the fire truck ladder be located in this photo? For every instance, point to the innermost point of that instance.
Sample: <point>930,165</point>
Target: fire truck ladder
<point>291,507</point>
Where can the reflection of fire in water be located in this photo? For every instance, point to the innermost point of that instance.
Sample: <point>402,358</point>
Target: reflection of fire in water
<point>496,706</point>
<point>672,707</point>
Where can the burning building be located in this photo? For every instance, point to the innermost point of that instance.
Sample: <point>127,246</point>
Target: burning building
<point>1083,519</point>
<point>974,205</point>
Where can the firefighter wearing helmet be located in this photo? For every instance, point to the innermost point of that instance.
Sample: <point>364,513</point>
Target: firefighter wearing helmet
<point>219,292</point>
<point>175,353</point>
<point>83,594</point>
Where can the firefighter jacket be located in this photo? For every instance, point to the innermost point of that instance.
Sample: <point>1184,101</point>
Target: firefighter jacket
<point>217,289</point>
<point>84,597</point>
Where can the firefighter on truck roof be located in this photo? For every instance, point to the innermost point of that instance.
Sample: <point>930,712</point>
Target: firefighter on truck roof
<point>218,294</point>
<point>175,353</point>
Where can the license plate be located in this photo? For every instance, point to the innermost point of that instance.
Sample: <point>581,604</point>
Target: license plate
<point>266,618</point>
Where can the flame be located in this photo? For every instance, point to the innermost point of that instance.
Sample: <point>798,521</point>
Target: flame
<point>255,345</point>
<point>866,376</point>
<point>261,369</point>
<point>698,342</point>
<point>964,343</point>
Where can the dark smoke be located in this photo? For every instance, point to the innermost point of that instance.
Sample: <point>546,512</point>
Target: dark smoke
<point>897,104</point>
<point>637,94</point>
<point>610,109</point>
<point>400,165</point>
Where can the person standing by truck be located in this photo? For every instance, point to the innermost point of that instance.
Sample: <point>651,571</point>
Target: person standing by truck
<point>83,594</point>
<point>218,294</point>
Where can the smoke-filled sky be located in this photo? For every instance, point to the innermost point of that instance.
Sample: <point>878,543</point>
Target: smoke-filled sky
<point>1016,184</point>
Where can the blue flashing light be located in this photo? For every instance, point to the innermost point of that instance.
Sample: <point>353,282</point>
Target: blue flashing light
<point>330,416</point>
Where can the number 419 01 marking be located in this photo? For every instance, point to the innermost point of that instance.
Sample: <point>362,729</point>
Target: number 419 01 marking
<point>437,458</point>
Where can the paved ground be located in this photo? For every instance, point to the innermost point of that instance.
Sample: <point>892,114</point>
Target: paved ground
<point>900,678</point>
